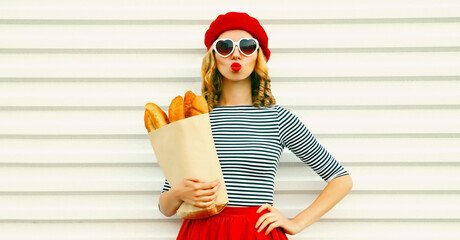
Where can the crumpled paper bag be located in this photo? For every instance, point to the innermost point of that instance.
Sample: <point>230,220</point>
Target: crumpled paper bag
<point>185,149</point>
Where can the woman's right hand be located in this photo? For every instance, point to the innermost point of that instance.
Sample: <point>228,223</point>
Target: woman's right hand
<point>197,193</point>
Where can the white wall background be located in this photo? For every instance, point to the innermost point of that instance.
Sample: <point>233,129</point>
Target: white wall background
<point>377,82</point>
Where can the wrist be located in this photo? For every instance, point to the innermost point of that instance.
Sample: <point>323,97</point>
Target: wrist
<point>175,195</point>
<point>298,225</point>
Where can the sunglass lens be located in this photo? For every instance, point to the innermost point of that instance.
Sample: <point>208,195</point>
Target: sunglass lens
<point>224,47</point>
<point>248,46</point>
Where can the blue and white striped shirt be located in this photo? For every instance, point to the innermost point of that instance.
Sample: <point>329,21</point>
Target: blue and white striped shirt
<point>249,142</point>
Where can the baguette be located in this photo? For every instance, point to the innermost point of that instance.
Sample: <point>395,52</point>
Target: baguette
<point>199,106</point>
<point>148,122</point>
<point>188,100</point>
<point>180,108</point>
<point>157,117</point>
<point>176,109</point>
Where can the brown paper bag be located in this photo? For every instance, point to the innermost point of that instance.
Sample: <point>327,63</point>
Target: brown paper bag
<point>185,149</point>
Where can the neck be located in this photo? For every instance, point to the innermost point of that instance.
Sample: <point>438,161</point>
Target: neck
<point>236,92</point>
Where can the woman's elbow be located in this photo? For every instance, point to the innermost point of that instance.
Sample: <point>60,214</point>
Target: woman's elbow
<point>167,214</point>
<point>345,182</point>
<point>348,182</point>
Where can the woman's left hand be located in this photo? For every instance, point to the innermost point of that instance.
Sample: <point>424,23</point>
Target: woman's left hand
<point>273,219</point>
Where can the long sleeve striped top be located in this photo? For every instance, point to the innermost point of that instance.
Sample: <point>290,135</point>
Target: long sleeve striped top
<point>249,142</point>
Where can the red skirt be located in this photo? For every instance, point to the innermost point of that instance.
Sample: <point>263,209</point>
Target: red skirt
<point>233,223</point>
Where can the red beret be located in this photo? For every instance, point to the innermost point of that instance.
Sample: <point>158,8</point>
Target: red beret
<point>237,20</point>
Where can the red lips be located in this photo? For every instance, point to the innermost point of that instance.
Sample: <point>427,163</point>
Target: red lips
<point>235,66</point>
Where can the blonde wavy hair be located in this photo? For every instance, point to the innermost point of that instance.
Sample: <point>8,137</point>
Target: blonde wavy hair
<point>260,81</point>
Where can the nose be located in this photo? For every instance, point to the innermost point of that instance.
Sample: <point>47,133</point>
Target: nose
<point>236,53</point>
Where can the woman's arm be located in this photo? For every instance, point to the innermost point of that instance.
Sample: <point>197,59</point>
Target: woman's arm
<point>334,191</point>
<point>169,202</point>
<point>193,191</point>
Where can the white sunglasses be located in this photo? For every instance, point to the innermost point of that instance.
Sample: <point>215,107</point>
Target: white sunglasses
<point>225,47</point>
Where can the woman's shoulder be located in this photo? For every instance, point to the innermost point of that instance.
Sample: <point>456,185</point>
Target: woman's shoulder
<point>283,112</point>
<point>279,108</point>
<point>274,106</point>
<point>249,108</point>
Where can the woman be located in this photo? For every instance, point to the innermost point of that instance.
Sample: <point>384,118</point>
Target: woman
<point>250,133</point>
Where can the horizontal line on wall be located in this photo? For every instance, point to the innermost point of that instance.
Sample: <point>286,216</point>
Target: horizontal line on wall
<point>85,220</point>
<point>198,80</point>
<point>366,164</point>
<point>369,49</point>
<point>368,79</point>
<point>361,20</point>
<point>370,192</point>
<point>155,164</point>
<point>371,107</point>
<point>174,219</point>
<point>103,51</point>
<point>111,164</point>
<point>203,50</point>
<point>374,192</point>
<point>144,136</point>
<point>65,193</point>
<point>291,107</point>
<point>157,192</point>
<point>208,21</point>
<point>102,79</point>
<point>390,135</point>
<point>415,219</point>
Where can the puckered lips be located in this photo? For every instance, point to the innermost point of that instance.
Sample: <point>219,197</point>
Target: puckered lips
<point>235,66</point>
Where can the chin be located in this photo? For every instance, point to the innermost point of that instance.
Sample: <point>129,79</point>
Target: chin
<point>237,76</point>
